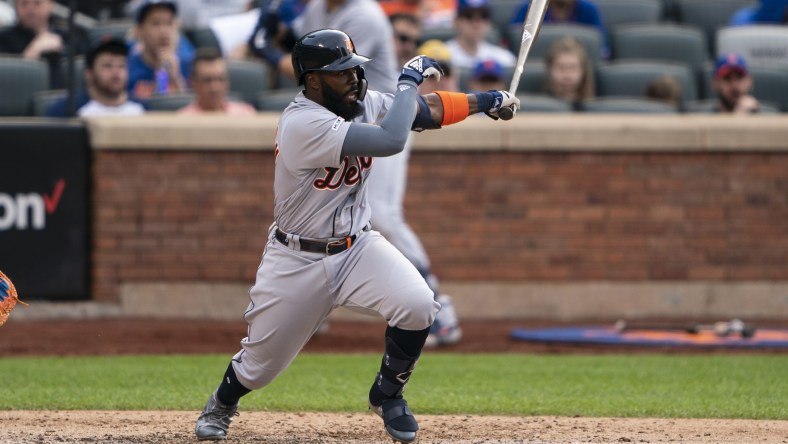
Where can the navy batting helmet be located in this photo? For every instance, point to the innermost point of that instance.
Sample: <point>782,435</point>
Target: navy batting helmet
<point>328,50</point>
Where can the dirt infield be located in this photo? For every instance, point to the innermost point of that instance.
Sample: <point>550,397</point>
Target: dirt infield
<point>120,337</point>
<point>26,427</point>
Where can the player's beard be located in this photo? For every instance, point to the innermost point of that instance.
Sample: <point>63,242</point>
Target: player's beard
<point>336,103</point>
<point>727,105</point>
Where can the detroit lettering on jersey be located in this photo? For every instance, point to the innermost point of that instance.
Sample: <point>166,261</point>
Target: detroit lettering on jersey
<point>350,174</point>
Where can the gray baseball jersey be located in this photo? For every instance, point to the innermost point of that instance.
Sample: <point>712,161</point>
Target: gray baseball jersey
<point>308,149</point>
<point>369,28</point>
<point>321,195</point>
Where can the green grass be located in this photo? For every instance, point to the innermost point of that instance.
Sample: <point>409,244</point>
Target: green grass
<point>724,386</point>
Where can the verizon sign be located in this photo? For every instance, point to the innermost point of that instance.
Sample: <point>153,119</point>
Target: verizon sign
<point>28,210</point>
<point>44,213</point>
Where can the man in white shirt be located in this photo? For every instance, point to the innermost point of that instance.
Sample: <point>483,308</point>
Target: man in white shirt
<point>469,47</point>
<point>106,75</point>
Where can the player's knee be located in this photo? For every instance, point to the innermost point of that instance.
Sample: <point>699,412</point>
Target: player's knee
<point>418,314</point>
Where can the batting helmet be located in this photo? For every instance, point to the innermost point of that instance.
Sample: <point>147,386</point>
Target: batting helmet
<point>328,50</point>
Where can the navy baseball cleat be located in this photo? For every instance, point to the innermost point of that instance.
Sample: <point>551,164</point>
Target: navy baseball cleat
<point>397,419</point>
<point>215,419</point>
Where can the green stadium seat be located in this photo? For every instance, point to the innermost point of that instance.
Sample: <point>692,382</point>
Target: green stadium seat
<point>20,79</point>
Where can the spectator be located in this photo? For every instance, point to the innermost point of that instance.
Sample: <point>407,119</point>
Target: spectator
<point>32,37</point>
<point>430,13</point>
<point>155,66</point>
<point>469,46</point>
<point>210,84</point>
<point>766,12</point>
<point>487,75</point>
<point>581,12</point>
<point>570,76</point>
<point>363,20</point>
<point>407,35</point>
<point>439,51</point>
<point>732,83</point>
<point>106,76</point>
<point>665,89</point>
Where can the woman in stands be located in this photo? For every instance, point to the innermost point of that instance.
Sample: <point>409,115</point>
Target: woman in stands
<point>570,75</point>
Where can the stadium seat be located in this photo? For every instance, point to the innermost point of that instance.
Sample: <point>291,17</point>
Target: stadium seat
<point>708,106</point>
<point>170,102</point>
<point>115,28</point>
<point>770,84</point>
<point>534,78</point>
<point>203,38</point>
<point>247,78</point>
<point>761,45</point>
<point>628,105</point>
<point>19,80</point>
<point>588,36</point>
<point>445,34</point>
<point>42,100</point>
<point>668,42</point>
<point>630,78</point>
<point>536,103</point>
<point>709,15</point>
<point>619,12</point>
<point>502,12</point>
<point>79,72</point>
<point>275,100</point>
<point>670,10</point>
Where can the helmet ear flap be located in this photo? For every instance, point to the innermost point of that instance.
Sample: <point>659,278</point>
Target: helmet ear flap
<point>362,83</point>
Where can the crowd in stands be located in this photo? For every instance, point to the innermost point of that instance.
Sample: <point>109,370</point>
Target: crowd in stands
<point>653,55</point>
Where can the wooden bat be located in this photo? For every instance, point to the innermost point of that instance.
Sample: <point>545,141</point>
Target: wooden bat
<point>721,328</point>
<point>531,25</point>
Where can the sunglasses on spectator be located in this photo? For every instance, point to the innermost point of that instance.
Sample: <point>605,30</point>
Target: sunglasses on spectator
<point>404,38</point>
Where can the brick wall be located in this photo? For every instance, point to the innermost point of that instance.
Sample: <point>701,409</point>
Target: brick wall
<point>511,216</point>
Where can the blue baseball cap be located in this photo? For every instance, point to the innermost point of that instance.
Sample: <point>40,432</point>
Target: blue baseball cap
<point>728,63</point>
<point>488,69</point>
<point>471,5</point>
<point>147,5</point>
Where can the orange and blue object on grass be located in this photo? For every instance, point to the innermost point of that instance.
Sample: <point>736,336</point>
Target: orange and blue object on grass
<point>762,337</point>
<point>8,297</point>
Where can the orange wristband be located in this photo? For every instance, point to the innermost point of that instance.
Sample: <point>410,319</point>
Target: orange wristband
<point>455,107</point>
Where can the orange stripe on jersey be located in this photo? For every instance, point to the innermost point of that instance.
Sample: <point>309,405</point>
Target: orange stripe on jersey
<point>455,107</point>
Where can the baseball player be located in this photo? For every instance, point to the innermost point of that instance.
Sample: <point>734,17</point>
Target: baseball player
<point>321,252</point>
<point>365,22</point>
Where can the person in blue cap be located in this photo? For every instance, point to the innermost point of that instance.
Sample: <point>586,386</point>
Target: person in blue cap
<point>581,12</point>
<point>732,83</point>
<point>156,66</point>
<point>487,75</point>
<point>765,12</point>
<point>469,45</point>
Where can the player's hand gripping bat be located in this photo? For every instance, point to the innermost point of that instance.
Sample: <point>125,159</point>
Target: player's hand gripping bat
<point>531,25</point>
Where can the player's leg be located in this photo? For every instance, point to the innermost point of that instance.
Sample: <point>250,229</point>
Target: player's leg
<point>386,190</point>
<point>382,280</point>
<point>285,310</point>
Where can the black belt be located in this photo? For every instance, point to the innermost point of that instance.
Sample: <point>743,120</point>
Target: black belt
<point>327,248</point>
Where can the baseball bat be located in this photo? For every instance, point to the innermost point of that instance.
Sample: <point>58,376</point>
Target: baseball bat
<point>721,329</point>
<point>531,25</point>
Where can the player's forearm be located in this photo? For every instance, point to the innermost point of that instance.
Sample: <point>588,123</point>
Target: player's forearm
<point>389,138</point>
<point>448,107</point>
